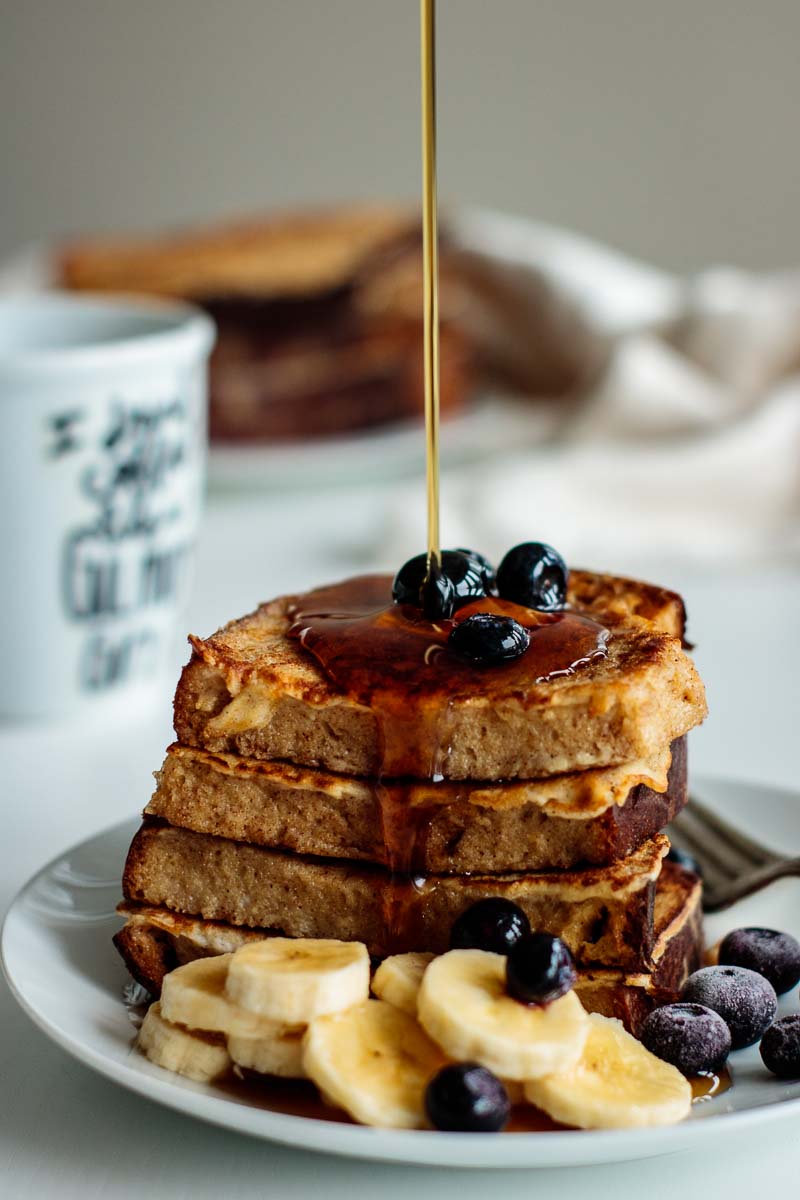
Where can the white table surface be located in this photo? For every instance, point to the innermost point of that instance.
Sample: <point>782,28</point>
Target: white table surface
<point>66,1133</point>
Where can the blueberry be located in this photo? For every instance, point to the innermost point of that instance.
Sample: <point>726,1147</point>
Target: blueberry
<point>780,1048</point>
<point>690,1036</point>
<point>774,955</point>
<point>486,568</point>
<point>535,575</point>
<point>467,1098</point>
<point>539,969</point>
<point>437,595</point>
<point>493,924</point>
<point>465,573</point>
<point>486,639</point>
<point>745,1000</point>
<point>684,859</point>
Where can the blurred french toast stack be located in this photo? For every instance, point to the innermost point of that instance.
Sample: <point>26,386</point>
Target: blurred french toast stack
<point>319,318</point>
<point>339,772</point>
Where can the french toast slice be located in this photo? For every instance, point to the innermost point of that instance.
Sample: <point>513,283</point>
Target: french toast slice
<point>590,817</point>
<point>677,952</point>
<point>298,354</point>
<point>604,914</point>
<point>285,255</point>
<point>155,940</point>
<point>251,689</point>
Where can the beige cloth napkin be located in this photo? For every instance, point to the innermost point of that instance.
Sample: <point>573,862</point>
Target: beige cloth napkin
<point>685,447</point>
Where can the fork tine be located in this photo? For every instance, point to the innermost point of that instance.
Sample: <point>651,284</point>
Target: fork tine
<point>752,852</point>
<point>728,862</point>
<point>736,890</point>
<point>713,884</point>
<point>717,885</point>
<point>715,872</point>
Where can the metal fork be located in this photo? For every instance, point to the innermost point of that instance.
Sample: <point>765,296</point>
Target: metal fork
<point>732,865</point>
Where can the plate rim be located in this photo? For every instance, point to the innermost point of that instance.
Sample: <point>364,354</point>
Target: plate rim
<point>410,1147</point>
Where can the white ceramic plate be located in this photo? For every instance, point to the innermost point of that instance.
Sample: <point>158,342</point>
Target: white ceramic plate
<point>64,972</point>
<point>490,426</point>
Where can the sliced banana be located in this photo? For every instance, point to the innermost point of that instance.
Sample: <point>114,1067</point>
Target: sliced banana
<point>616,1084</point>
<point>281,1053</point>
<point>194,994</point>
<point>397,979</point>
<point>294,980</point>
<point>464,1007</point>
<point>194,1055</point>
<point>374,1061</point>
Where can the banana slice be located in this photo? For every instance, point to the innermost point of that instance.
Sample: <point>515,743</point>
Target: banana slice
<point>398,978</point>
<point>194,1055</point>
<point>278,1054</point>
<point>616,1084</point>
<point>194,994</point>
<point>464,1007</point>
<point>294,980</point>
<point>374,1061</point>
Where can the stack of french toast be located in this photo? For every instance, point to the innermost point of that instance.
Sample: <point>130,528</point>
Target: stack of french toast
<point>313,335</point>
<point>340,773</point>
<point>319,318</point>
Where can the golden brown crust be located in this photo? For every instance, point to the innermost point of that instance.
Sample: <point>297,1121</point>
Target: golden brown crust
<point>251,690</point>
<point>616,596</point>
<point>154,940</point>
<point>591,817</point>
<point>678,951</point>
<point>287,254</point>
<point>605,914</point>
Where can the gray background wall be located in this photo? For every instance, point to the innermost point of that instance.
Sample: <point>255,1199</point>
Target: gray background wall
<point>667,127</point>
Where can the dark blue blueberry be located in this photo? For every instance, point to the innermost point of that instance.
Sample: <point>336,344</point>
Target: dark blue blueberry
<point>774,955</point>
<point>437,596</point>
<point>487,570</point>
<point>684,859</point>
<point>534,574</point>
<point>463,572</point>
<point>745,1000</point>
<point>690,1036</point>
<point>467,1098</point>
<point>780,1048</point>
<point>539,969</point>
<point>493,924</point>
<point>486,639</point>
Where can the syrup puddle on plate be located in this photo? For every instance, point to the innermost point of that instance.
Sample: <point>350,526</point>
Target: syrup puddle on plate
<point>292,1097</point>
<point>300,1098</point>
<point>710,1085</point>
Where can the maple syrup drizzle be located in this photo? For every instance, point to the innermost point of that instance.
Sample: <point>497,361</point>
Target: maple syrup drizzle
<point>709,1085</point>
<point>293,1097</point>
<point>392,659</point>
<point>430,262</point>
<point>299,1098</point>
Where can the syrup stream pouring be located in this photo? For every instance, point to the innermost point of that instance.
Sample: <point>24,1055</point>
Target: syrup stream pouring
<point>427,13</point>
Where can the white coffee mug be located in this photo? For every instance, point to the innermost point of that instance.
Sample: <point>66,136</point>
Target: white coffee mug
<point>102,464</point>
